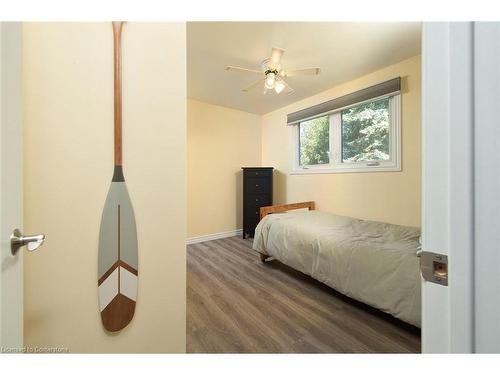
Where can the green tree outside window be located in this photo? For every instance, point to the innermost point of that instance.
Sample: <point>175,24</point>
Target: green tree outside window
<point>365,132</point>
<point>315,141</point>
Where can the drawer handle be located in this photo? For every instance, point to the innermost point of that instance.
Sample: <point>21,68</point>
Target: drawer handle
<point>256,199</point>
<point>256,185</point>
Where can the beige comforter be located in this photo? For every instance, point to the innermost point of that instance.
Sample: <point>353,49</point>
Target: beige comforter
<point>375,263</point>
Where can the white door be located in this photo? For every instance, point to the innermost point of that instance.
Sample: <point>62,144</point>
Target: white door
<point>487,187</point>
<point>460,176</point>
<point>11,193</point>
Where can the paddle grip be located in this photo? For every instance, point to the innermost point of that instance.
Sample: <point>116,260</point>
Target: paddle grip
<point>117,33</point>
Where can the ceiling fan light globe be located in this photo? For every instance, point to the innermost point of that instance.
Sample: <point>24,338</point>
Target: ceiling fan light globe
<point>270,80</point>
<point>279,87</point>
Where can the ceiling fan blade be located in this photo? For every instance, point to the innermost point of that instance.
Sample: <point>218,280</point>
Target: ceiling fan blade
<point>237,69</point>
<point>301,72</point>
<point>275,58</point>
<point>253,85</point>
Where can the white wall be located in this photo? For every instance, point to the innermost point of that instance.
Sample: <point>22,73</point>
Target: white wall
<point>220,141</point>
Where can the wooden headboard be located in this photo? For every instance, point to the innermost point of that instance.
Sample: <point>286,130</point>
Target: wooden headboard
<point>285,207</point>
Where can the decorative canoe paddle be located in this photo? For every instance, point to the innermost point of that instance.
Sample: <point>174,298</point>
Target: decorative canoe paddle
<point>117,264</point>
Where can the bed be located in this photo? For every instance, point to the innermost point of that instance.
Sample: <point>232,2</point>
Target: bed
<point>372,262</point>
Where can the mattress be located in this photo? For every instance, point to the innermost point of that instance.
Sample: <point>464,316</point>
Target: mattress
<point>372,262</point>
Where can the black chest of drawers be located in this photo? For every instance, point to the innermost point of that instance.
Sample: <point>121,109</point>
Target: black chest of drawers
<point>257,193</point>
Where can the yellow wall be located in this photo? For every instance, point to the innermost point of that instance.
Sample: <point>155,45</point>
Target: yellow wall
<point>220,141</point>
<point>68,165</point>
<point>391,196</point>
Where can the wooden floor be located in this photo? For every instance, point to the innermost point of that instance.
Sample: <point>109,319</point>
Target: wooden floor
<point>237,304</point>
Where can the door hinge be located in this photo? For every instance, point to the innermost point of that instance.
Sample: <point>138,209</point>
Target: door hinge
<point>434,267</point>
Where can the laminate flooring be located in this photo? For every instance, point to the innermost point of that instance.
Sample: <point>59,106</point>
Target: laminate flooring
<point>237,304</point>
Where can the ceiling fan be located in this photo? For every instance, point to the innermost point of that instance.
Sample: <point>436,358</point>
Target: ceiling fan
<point>272,73</point>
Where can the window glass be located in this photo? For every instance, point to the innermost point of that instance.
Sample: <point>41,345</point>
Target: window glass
<point>366,132</point>
<point>314,141</point>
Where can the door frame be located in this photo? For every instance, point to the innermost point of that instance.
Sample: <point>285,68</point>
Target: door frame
<point>11,188</point>
<point>460,184</point>
<point>487,187</point>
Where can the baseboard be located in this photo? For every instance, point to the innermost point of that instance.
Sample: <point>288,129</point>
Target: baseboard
<point>214,236</point>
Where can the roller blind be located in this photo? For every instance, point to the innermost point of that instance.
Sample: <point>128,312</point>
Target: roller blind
<point>392,86</point>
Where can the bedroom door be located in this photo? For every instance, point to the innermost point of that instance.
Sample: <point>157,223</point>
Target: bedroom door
<point>460,184</point>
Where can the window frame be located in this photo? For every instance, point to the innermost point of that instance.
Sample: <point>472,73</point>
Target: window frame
<point>335,133</point>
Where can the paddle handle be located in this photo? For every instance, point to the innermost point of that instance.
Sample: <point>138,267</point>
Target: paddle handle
<point>117,35</point>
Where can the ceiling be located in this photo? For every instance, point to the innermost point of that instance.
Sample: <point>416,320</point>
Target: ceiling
<point>343,51</point>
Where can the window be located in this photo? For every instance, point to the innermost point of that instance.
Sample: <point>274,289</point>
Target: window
<point>314,141</point>
<point>363,137</point>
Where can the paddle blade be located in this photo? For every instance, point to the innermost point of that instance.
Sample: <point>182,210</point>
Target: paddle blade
<point>117,260</point>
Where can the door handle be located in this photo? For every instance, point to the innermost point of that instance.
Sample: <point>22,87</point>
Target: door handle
<point>17,240</point>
